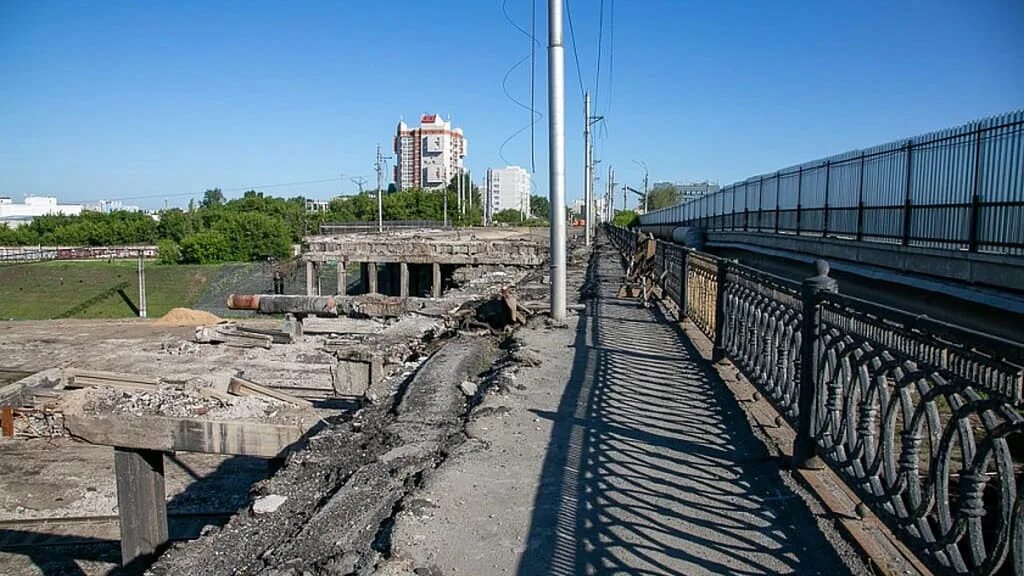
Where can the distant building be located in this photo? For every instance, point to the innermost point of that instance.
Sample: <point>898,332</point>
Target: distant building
<point>108,206</point>
<point>507,189</point>
<point>315,206</point>
<point>691,190</point>
<point>430,156</point>
<point>13,214</point>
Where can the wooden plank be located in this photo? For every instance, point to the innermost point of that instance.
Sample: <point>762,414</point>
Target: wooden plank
<point>242,387</point>
<point>7,421</point>
<point>116,376</point>
<point>141,505</point>
<point>242,438</point>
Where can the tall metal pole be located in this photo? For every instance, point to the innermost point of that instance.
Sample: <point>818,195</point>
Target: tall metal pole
<point>556,157</point>
<point>142,287</point>
<point>380,198</point>
<point>588,193</point>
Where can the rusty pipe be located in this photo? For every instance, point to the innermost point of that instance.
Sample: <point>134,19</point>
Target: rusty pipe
<point>243,302</point>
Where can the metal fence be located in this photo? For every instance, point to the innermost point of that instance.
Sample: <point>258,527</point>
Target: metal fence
<point>960,188</point>
<point>923,419</point>
<point>35,253</point>
<point>331,228</point>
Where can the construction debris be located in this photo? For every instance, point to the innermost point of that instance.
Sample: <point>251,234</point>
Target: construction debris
<point>232,336</point>
<point>242,387</point>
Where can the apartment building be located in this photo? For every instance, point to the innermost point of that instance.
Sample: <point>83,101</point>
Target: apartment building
<point>507,188</point>
<point>429,156</point>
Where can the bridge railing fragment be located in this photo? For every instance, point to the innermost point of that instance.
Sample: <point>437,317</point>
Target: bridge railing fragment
<point>923,419</point>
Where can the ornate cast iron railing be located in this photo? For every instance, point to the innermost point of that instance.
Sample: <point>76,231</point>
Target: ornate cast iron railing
<point>922,418</point>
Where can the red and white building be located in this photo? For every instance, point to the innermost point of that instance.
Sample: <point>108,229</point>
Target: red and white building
<point>430,156</point>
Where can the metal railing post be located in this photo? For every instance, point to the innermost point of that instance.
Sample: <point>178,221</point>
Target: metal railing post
<point>860,200</point>
<point>799,198</point>
<point>722,270</point>
<point>906,197</point>
<point>804,453</point>
<point>824,217</point>
<point>683,271</point>
<point>973,217</point>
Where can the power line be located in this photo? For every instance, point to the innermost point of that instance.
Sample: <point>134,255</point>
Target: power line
<point>575,54</point>
<point>183,194</point>
<point>535,116</point>
<point>611,57</point>
<point>600,38</point>
<point>533,85</point>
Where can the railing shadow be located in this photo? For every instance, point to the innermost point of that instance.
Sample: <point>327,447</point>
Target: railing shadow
<point>651,467</point>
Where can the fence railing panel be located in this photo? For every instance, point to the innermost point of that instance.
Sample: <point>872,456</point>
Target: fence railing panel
<point>762,333</point>
<point>923,419</point>
<point>957,189</point>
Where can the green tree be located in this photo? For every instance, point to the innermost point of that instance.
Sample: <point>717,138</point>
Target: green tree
<point>174,224</point>
<point>212,198</point>
<point>169,251</point>
<point>253,236</point>
<point>540,207</point>
<point>205,248</point>
<point>508,216</point>
<point>626,218</point>
<point>662,196</point>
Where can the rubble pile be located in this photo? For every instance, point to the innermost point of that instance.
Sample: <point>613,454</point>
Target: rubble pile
<point>173,402</point>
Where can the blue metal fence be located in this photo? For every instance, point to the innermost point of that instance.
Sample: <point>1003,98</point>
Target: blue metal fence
<point>961,188</point>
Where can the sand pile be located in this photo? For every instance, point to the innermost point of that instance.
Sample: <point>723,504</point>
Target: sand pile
<point>187,317</point>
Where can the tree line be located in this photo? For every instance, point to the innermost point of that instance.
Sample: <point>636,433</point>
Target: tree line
<point>250,228</point>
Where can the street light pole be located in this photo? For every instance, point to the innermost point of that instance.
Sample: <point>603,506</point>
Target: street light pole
<point>556,157</point>
<point>587,192</point>
<point>644,166</point>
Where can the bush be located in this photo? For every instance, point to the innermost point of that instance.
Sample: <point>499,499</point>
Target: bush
<point>205,248</point>
<point>169,251</point>
<point>626,219</point>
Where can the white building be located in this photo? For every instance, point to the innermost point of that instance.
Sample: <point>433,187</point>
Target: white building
<point>508,189</point>
<point>430,156</point>
<point>14,214</point>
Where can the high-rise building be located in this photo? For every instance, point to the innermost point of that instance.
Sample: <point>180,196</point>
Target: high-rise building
<point>430,156</point>
<point>508,188</point>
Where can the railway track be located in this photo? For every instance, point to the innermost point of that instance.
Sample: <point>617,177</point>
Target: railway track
<point>88,530</point>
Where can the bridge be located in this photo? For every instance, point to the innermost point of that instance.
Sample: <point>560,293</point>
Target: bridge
<point>938,212</point>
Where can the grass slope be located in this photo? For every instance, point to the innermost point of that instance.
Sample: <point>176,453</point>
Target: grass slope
<point>45,290</point>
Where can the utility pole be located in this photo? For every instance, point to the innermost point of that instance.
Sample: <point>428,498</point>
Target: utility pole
<point>556,157</point>
<point>380,198</point>
<point>587,184</point>
<point>644,166</point>
<point>142,287</point>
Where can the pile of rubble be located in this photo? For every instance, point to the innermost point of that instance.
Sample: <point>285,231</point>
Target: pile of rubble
<point>172,402</point>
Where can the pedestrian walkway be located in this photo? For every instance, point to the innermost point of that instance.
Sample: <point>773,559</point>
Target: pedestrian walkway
<point>648,465</point>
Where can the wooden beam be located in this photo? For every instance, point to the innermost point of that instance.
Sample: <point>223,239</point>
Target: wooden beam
<point>242,387</point>
<point>141,505</point>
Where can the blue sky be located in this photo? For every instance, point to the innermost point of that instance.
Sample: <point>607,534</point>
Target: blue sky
<point>108,99</point>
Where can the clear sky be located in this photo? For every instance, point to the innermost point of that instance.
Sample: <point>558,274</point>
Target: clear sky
<point>108,99</point>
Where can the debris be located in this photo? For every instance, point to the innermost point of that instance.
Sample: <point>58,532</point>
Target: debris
<point>231,336</point>
<point>187,317</point>
<point>268,504</point>
<point>468,388</point>
<point>277,336</point>
<point>75,378</point>
<point>243,387</point>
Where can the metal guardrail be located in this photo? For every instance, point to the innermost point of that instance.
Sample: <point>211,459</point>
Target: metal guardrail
<point>959,189</point>
<point>923,419</point>
<point>388,225</point>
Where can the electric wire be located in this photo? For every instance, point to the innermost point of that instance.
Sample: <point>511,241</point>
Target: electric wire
<point>183,194</point>
<point>600,39</point>
<point>535,116</point>
<point>611,56</point>
<point>575,54</point>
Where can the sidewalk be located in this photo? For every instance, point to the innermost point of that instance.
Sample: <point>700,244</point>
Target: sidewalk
<point>620,452</point>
